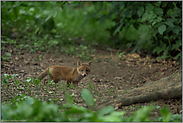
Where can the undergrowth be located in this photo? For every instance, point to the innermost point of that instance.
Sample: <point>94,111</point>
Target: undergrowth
<point>34,109</point>
<point>25,108</point>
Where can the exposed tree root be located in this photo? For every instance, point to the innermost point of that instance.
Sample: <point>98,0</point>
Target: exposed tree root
<point>165,88</point>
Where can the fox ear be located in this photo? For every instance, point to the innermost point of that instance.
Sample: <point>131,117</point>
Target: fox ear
<point>79,63</point>
<point>89,63</point>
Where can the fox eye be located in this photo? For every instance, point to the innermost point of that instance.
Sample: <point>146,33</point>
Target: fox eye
<point>86,70</point>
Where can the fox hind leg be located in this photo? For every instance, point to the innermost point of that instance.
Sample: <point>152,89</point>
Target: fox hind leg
<point>50,77</point>
<point>53,78</point>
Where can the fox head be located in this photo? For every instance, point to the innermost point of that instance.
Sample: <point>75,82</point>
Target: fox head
<point>83,68</point>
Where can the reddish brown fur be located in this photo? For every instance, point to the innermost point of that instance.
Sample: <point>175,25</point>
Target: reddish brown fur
<point>69,74</point>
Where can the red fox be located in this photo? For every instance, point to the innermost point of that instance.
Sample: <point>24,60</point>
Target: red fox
<point>70,74</point>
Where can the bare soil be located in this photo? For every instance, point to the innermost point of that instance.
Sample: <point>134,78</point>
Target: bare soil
<point>110,77</point>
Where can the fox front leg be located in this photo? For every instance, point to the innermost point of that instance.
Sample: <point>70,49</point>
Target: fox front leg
<point>69,80</point>
<point>75,83</point>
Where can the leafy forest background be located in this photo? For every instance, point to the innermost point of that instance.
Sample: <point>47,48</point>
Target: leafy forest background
<point>153,27</point>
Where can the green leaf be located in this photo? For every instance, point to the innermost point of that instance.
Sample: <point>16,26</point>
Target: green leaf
<point>172,12</point>
<point>5,58</point>
<point>159,11</point>
<point>149,7</point>
<point>113,117</point>
<point>164,4</point>
<point>14,75</point>
<point>53,42</point>
<point>178,55</point>
<point>30,101</point>
<point>4,42</point>
<point>74,109</point>
<point>158,50</point>
<point>28,79</point>
<point>149,16</point>
<point>77,109</point>
<point>8,54</point>
<point>87,97</point>
<point>118,28</point>
<point>158,3</point>
<point>161,29</point>
<point>177,45</point>
<point>169,23</point>
<point>176,118</point>
<point>69,98</point>
<point>165,114</point>
<point>176,30</point>
<point>140,11</point>
<point>142,114</point>
<point>48,18</point>
<point>105,110</point>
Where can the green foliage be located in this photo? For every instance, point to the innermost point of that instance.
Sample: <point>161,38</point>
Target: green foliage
<point>167,117</point>
<point>138,117</point>
<point>30,110</point>
<point>39,57</point>
<point>69,98</point>
<point>121,55</point>
<point>19,98</point>
<point>37,26</point>
<point>176,118</point>
<point>25,108</point>
<point>153,26</point>
<point>87,97</point>
<point>6,56</point>
<point>5,78</point>
<point>165,114</point>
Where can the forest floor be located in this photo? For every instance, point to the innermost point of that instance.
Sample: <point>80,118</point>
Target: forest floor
<point>110,76</point>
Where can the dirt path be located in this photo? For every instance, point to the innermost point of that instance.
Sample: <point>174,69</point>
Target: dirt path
<point>109,77</point>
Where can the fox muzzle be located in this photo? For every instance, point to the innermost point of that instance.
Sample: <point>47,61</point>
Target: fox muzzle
<point>83,74</point>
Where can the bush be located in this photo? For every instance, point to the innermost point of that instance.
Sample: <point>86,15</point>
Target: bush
<point>33,110</point>
<point>153,26</point>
